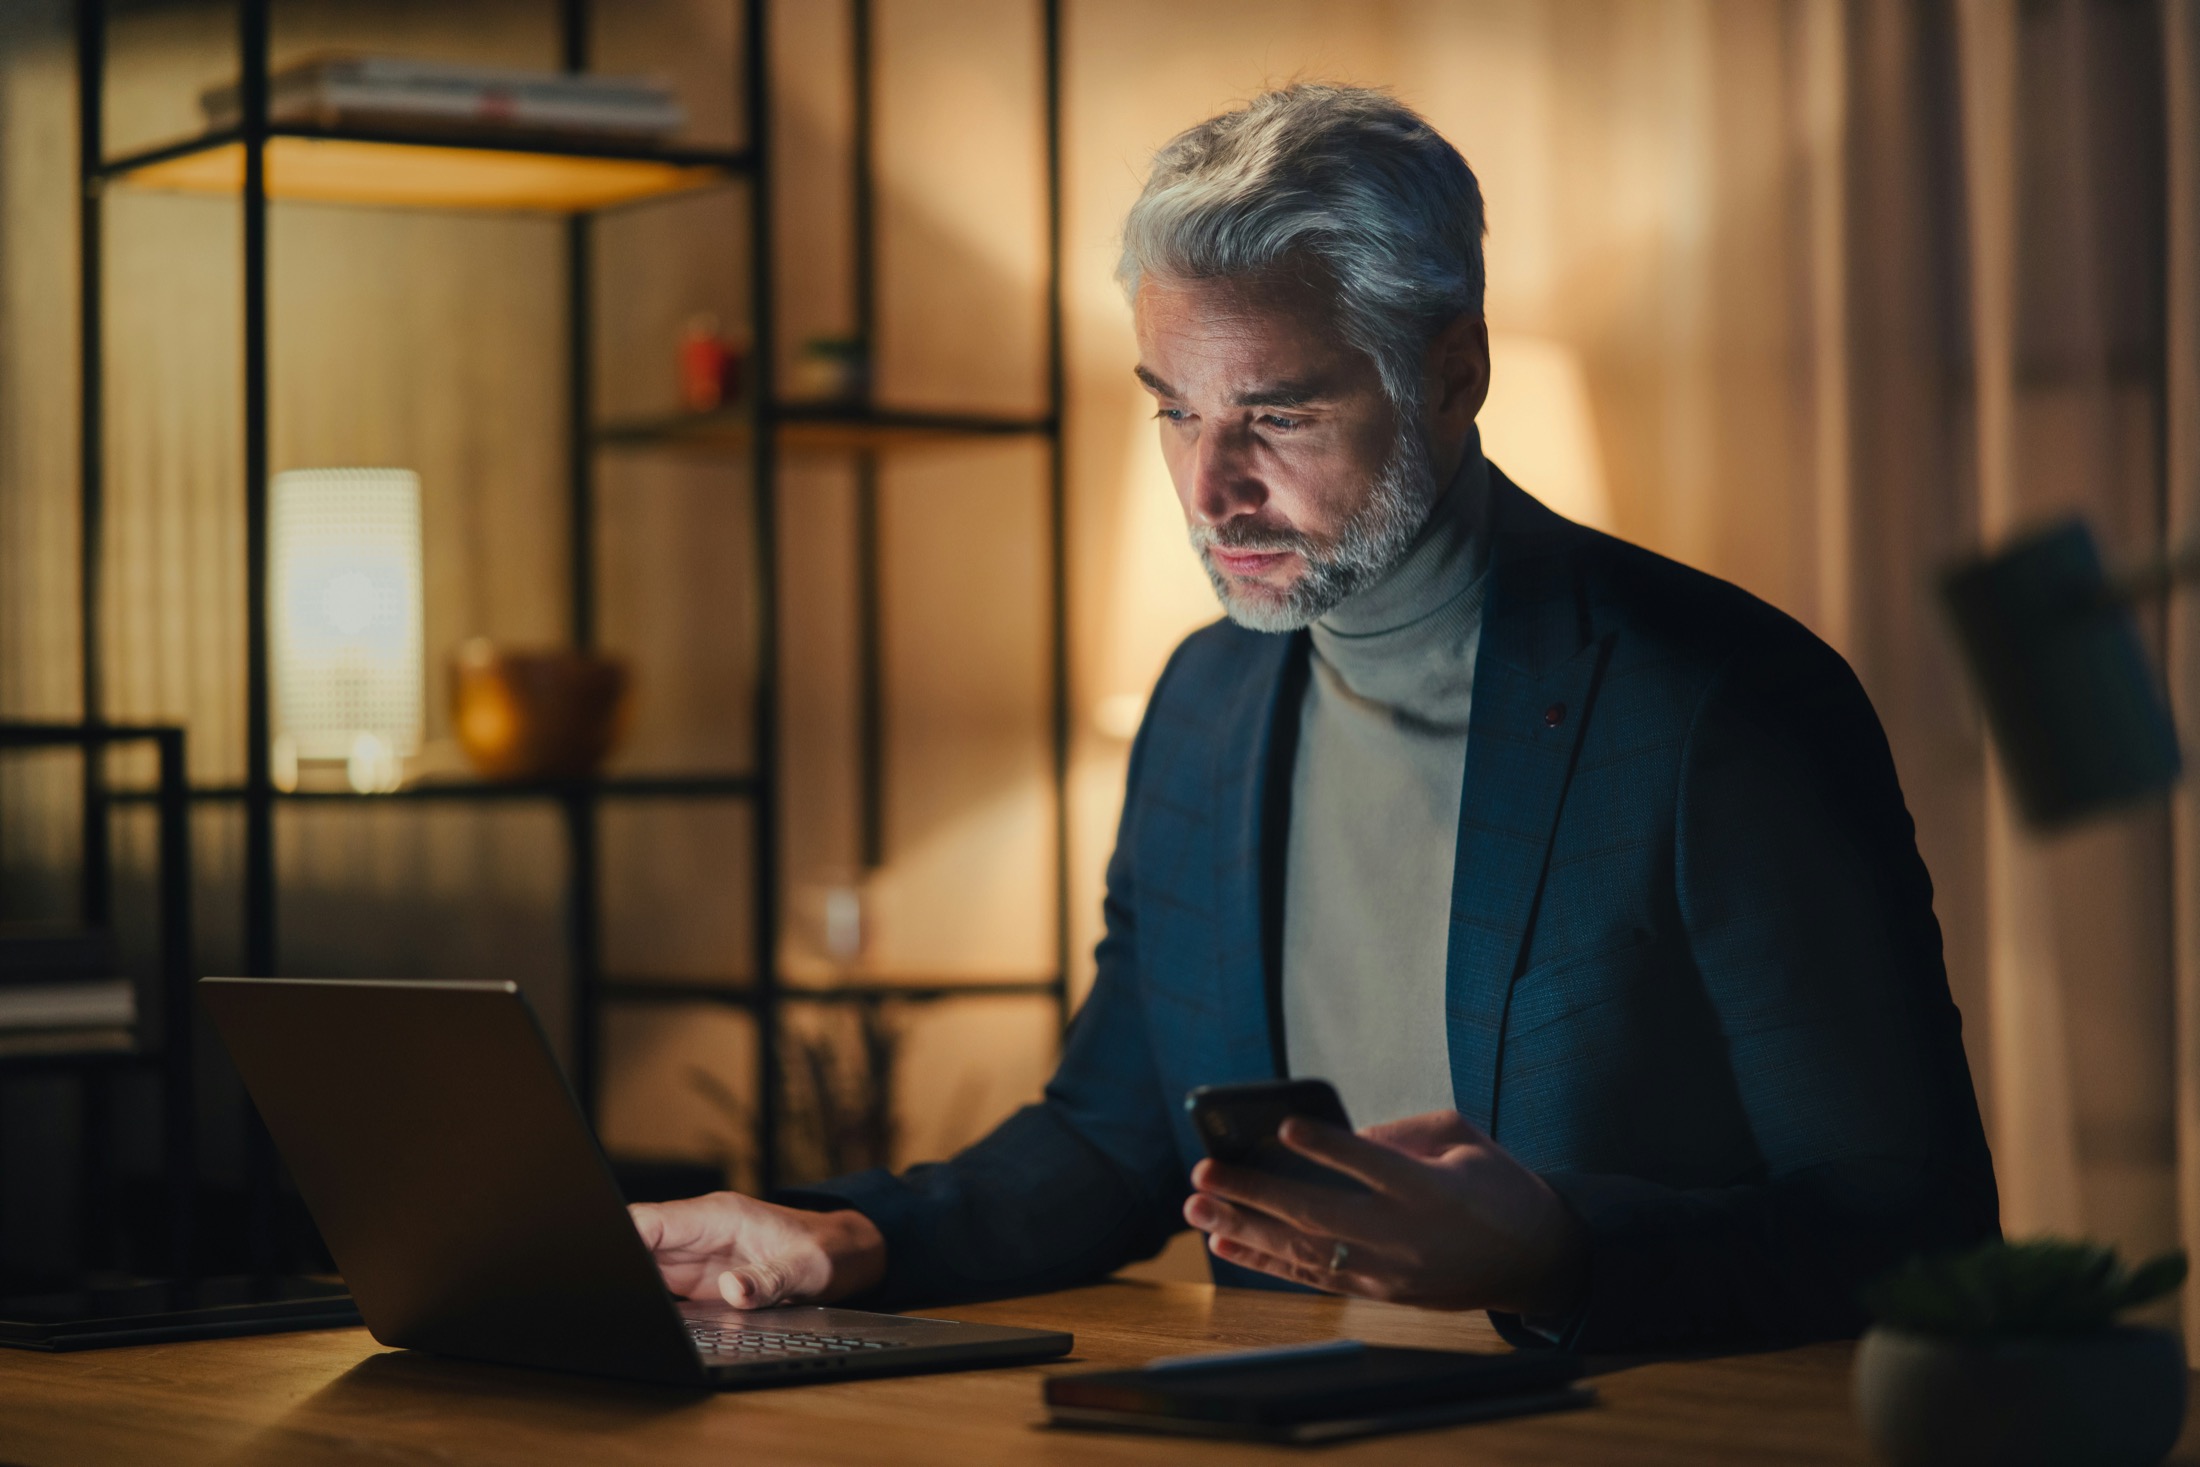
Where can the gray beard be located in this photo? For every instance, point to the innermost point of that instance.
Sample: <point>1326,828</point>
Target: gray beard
<point>1374,540</point>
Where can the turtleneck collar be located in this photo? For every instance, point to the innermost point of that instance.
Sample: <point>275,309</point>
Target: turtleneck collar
<point>1408,640</point>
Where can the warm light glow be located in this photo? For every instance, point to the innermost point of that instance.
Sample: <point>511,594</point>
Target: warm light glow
<point>422,176</point>
<point>1540,428</point>
<point>345,618</point>
<point>1118,715</point>
<point>1158,593</point>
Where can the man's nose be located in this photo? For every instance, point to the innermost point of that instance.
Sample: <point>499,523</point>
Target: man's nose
<point>1224,484</point>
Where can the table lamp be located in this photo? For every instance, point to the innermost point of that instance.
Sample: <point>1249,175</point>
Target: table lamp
<point>344,601</point>
<point>2074,707</point>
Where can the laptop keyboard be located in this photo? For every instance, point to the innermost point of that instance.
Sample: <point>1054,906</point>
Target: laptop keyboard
<point>741,1342</point>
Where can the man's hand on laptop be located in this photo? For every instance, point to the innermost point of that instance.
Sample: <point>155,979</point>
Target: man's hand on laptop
<point>757,1254</point>
<point>1449,1221</point>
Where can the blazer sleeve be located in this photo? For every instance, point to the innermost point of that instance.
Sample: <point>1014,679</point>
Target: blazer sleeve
<point>1063,1191</point>
<point>1808,915</point>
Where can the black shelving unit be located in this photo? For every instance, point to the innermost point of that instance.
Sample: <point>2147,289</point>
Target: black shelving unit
<point>163,1039</point>
<point>259,161</point>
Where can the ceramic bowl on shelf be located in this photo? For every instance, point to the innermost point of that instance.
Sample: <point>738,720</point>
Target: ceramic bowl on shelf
<point>552,714</point>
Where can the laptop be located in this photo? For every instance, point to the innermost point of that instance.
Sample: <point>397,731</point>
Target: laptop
<point>464,1198</point>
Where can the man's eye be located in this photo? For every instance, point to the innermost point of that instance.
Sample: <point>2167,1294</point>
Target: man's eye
<point>1170,415</point>
<point>1282,424</point>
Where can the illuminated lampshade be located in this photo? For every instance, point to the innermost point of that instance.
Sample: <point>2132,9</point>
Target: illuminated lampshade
<point>1540,428</point>
<point>345,633</point>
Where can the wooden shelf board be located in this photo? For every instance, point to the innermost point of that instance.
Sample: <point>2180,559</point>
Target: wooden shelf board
<point>426,175</point>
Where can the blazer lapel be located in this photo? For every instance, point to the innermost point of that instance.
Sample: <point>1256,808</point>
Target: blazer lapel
<point>1535,675</point>
<point>1252,795</point>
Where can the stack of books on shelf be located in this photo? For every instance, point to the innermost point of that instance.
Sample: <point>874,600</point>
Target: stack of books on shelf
<point>388,92</point>
<point>59,993</point>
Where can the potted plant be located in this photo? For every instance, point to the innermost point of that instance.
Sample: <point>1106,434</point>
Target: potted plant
<point>2011,1354</point>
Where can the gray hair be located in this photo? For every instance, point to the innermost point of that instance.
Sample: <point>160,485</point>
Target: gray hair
<point>1346,179</point>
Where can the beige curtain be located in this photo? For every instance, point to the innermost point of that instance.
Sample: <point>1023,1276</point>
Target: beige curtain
<point>2066,146</point>
<point>2054,397</point>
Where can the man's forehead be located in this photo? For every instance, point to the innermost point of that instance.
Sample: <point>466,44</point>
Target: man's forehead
<point>1263,302</point>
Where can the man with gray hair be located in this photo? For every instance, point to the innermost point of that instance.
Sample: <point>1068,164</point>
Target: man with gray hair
<point>1584,877</point>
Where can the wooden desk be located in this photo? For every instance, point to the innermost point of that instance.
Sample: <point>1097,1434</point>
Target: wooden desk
<point>336,1396</point>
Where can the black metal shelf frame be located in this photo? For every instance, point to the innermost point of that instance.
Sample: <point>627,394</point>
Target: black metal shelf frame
<point>581,800</point>
<point>825,417</point>
<point>172,1053</point>
<point>971,425</point>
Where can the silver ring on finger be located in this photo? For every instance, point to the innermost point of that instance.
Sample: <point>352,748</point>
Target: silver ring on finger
<point>1339,1256</point>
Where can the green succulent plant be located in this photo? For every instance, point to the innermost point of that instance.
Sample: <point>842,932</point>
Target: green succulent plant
<point>2044,1286</point>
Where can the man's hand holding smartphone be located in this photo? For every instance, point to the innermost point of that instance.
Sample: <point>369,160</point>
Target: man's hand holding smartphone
<point>1427,1210</point>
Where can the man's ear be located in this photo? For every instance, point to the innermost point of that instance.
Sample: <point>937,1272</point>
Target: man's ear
<point>1456,376</point>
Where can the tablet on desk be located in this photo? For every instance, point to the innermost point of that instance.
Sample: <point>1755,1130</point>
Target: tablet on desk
<point>185,1309</point>
<point>1316,1393</point>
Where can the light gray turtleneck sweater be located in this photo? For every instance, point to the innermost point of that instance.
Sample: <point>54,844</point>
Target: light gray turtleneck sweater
<point>1375,818</point>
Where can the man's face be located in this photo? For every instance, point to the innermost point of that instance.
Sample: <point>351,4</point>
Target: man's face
<point>1298,484</point>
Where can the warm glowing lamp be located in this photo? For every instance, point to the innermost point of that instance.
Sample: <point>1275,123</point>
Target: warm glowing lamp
<point>1539,426</point>
<point>344,604</point>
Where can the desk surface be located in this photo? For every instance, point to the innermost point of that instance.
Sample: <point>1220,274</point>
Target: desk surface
<point>337,1396</point>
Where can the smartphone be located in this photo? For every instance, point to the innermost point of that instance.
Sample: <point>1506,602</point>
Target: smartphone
<point>1238,1123</point>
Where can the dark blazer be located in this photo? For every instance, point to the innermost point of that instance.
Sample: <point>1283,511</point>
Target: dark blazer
<point>1694,975</point>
